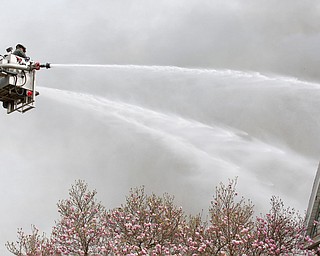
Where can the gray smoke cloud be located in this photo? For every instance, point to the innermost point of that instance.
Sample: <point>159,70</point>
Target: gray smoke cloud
<point>173,130</point>
<point>266,36</point>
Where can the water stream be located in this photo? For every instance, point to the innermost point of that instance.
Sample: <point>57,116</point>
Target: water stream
<point>171,129</point>
<point>218,123</point>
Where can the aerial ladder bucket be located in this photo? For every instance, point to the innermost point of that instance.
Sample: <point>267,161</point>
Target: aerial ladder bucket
<point>18,82</point>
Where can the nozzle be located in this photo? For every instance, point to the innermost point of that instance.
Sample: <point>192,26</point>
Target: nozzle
<point>47,65</point>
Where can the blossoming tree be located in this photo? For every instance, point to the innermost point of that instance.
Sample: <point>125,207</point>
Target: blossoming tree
<point>281,231</point>
<point>154,225</point>
<point>33,244</point>
<point>231,228</point>
<point>146,225</point>
<point>80,230</point>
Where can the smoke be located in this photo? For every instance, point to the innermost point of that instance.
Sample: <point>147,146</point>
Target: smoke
<point>174,130</point>
<point>264,36</point>
<point>179,130</point>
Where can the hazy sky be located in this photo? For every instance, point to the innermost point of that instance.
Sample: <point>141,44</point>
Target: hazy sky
<point>264,35</point>
<point>163,128</point>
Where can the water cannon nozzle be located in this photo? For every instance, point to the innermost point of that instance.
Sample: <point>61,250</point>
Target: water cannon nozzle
<point>47,65</point>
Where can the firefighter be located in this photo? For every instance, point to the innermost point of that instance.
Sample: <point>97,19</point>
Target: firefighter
<point>20,51</point>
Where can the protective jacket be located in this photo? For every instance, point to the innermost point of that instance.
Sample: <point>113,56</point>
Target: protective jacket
<point>20,53</point>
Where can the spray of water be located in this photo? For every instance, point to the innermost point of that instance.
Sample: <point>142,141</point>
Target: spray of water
<point>172,129</point>
<point>226,72</point>
<point>215,152</point>
<point>163,69</point>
